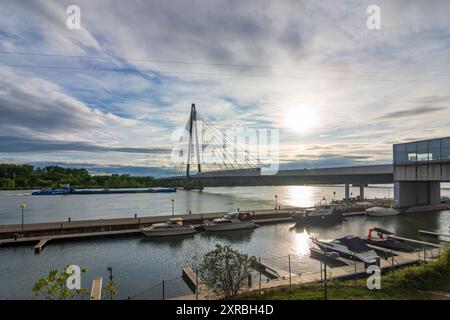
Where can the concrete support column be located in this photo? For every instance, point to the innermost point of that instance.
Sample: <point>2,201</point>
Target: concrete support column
<point>347,191</point>
<point>417,193</point>
<point>361,192</point>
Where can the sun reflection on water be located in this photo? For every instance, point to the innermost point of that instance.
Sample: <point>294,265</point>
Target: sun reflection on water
<point>299,196</point>
<point>301,241</point>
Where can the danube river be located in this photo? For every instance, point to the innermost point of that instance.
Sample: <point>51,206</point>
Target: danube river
<point>140,264</point>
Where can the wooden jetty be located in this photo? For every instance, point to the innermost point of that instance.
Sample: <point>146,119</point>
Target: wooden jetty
<point>272,270</point>
<point>40,234</point>
<point>193,280</point>
<point>317,253</point>
<point>96,289</point>
<point>434,234</point>
<point>40,246</point>
<point>357,269</point>
<point>428,244</point>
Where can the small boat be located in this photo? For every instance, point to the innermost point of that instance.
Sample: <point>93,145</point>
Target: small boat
<point>381,212</point>
<point>350,247</point>
<point>329,213</point>
<point>173,227</point>
<point>381,239</point>
<point>230,221</point>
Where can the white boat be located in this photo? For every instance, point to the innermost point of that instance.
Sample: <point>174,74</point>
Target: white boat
<point>320,214</point>
<point>230,221</point>
<point>381,212</point>
<point>173,227</point>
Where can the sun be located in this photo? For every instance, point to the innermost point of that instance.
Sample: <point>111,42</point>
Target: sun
<point>300,119</point>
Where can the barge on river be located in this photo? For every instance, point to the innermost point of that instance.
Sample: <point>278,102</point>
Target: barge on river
<point>68,189</point>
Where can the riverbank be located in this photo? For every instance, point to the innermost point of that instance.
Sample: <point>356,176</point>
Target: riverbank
<point>420,282</point>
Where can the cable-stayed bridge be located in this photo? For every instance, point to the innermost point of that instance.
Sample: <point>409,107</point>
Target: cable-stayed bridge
<point>207,157</point>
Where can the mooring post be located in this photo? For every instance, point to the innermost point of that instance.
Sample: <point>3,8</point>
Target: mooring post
<point>290,280</point>
<point>259,287</point>
<point>196,284</point>
<point>321,271</point>
<point>163,293</point>
<point>392,262</point>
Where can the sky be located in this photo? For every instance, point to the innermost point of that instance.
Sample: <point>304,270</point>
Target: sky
<point>110,95</point>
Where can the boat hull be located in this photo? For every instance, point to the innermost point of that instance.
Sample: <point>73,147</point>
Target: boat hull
<point>166,233</point>
<point>319,219</point>
<point>230,226</point>
<point>381,213</point>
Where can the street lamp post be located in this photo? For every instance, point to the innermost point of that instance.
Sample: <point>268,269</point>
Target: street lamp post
<point>325,287</point>
<point>173,208</point>
<point>22,206</point>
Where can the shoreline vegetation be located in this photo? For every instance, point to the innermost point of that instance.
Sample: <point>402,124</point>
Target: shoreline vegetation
<point>419,282</point>
<point>27,177</point>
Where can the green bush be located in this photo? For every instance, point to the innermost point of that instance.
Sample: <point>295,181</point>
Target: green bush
<point>425,276</point>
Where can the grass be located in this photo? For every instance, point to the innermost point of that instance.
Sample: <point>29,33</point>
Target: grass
<point>345,290</point>
<point>413,282</point>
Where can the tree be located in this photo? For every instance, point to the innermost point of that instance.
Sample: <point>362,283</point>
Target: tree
<point>225,270</point>
<point>54,286</point>
<point>110,288</point>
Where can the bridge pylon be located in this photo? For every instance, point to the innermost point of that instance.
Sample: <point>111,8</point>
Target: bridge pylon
<point>193,139</point>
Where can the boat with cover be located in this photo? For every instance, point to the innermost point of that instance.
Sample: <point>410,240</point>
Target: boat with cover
<point>350,247</point>
<point>382,239</point>
<point>381,212</point>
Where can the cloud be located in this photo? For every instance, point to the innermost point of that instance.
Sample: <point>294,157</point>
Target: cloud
<point>242,63</point>
<point>412,112</point>
<point>10,144</point>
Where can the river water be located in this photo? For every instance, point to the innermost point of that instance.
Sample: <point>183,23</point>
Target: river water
<point>140,264</point>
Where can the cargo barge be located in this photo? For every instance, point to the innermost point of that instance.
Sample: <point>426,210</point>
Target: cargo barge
<point>67,190</point>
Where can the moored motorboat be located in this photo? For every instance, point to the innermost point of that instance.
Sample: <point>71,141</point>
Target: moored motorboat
<point>381,212</point>
<point>382,239</point>
<point>173,227</point>
<point>329,213</point>
<point>230,221</point>
<point>350,247</point>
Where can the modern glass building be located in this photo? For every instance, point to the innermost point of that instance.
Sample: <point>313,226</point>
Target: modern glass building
<point>433,150</point>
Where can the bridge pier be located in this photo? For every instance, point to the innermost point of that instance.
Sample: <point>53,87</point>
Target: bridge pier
<point>347,191</point>
<point>417,193</point>
<point>361,192</point>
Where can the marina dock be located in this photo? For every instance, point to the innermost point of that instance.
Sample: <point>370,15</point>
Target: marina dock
<point>354,270</point>
<point>40,234</point>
